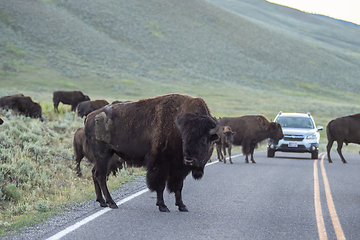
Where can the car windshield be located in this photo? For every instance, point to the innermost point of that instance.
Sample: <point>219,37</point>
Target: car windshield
<point>295,122</point>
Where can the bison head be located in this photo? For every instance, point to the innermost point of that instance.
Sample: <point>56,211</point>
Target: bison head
<point>197,133</point>
<point>228,135</point>
<point>35,111</point>
<point>276,132</point>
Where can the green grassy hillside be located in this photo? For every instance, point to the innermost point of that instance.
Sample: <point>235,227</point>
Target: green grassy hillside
<point>258,58</point>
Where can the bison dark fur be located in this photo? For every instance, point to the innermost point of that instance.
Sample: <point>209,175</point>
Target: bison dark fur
<point>23,104</point>
<point>171,135</point>
<point>82,150</point>
<point>251,130</point>
<point>343,130</point>
<point>72,98</point>
<point>86,107</point>
<point>225,141</point>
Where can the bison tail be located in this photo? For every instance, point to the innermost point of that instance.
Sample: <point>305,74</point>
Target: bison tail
<point>328,131</point>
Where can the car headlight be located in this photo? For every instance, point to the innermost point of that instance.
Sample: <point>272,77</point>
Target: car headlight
<point>312,136</point>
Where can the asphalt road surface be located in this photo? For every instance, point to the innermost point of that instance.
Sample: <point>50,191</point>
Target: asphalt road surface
<point>287,197</point>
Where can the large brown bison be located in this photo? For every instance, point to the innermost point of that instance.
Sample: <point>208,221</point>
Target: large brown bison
<point>343,130</point>
<point>171,135</point>
<point>251,130</point>
<point>23,104</point>
<point>225,141</point>
<point>82,150</point>
<point>86,107</point>
<point>72,98</point>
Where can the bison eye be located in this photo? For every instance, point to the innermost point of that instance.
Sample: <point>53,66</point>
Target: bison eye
<point>205,141</point>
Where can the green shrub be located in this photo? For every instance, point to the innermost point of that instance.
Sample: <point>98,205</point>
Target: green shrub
<point>12,193</point>
<point>42,206</point>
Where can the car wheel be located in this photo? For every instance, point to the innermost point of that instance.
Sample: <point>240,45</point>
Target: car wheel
<point>270,153</point>
<point>315,155</point>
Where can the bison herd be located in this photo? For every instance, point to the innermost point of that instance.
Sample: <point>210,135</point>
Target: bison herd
<point>171,136</point>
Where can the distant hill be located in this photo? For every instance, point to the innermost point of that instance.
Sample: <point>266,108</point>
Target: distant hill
<point>354,25</point>
<point>106,45</point>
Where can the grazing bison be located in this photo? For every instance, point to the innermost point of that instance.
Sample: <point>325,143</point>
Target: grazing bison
<point>343,130</point>
<point>251,130</point>
<point>72,98</point>
<point>23,104</point>
<point>171,135</point>
<point>226,139</point>
<point>86,107</point>
<point>82,150</point>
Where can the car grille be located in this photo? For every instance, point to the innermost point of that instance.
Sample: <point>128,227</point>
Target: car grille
<point>293,137</point>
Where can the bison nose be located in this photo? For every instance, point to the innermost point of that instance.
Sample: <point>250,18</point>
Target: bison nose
<point>189,161</point>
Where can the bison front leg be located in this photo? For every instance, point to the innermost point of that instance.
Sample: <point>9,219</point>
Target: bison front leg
<point>156,180</point>
<point>229,150</point>
<point>160,200</point>
<point>224,152</point>
<point>219,154</point>
<point>179,202</point>
<point>175,184</point>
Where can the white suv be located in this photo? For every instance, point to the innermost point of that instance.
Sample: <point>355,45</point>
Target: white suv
<point>300,134</point>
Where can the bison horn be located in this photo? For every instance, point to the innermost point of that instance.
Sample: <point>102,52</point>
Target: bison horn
<point>177,121</point>
<point>216,129</point>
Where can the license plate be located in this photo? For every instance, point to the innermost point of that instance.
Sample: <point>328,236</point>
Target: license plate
<point>293,144</point>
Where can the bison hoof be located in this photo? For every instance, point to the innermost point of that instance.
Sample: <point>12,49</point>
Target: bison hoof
<point>102,202</point>
<point>183,208</point>
<point>113,206</point>
<point>163,209</point>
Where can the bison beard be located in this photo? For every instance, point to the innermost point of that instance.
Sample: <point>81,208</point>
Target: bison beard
<point>171,135</point>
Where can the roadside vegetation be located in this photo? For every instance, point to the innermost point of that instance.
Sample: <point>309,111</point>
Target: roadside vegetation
<point>37,176</point>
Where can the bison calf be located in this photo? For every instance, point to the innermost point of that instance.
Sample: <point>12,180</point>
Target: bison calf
<point>343,130</point>
<point>82,150</point>
<point>225,141</point>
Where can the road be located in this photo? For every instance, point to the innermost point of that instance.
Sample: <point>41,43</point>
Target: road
<point>286,197</point>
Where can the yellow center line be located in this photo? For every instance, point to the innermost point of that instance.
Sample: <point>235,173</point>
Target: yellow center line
<point>317,201</point>
<point>334,217</point>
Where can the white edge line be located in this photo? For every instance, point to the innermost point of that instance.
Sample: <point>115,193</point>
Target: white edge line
<point>101,212</point>
<point>93,216</point>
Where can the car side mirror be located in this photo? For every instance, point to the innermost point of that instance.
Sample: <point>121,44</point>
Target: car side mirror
<point>320,128</point>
